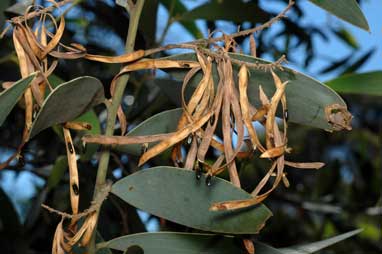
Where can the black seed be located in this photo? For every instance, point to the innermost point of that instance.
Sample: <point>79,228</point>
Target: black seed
<point>208,180</point>
<point>179,163</point>
<point>198,172</point>
<point>75,188</point>
<point>70,147</point>
<point>286,115</point>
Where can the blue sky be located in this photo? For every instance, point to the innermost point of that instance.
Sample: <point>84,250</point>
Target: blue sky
<point>333,50</point>
<point>366,40</point>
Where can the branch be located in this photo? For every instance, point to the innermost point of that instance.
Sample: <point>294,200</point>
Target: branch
<point>135,14</point>
<point>252,30</point>
<point>194,44</point>
<point>95,204</point>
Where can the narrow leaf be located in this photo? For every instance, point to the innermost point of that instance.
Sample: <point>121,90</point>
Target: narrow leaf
<point>347,10</point>
<point>58,171</point>
<point>337,64</point>
<point>184,243</point>
<point>10,96</point>
<point>3,5</point>
<point>228,10</point>
<point>18,9</point>
<point>316,246</point>
<point>358,63</point>
<point>177,9</point>
<point>68,101</point>
<point>175,194</point>
<point>122,3</point>
<point>369,83</point>
<point>148,22</point>
<point>347,37</point>
<point>174,243</point>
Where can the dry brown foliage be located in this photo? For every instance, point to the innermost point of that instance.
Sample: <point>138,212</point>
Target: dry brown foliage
<point>226,102</point>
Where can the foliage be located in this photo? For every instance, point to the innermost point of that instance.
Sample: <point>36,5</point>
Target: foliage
<point>226,119</point>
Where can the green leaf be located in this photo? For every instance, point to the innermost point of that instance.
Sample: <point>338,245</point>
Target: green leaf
<point>58,171</point>
<point>163,122</point>
<point>347,10</point>
<point>54,81</point>
<point>316,246</point>
<point>170,88</point>
<point>99,239</point>
<point>148,22</point>
<point>371,230</point>
<point>337,64</point>
<point>177,9</point>
<point>369,83</point>
<point>358,63</point>
<point>68,101</point>
<point>228,10</point>
<point>10,96</point>
<point>183,243</point>
<point>89,117</point>
<point>346,37</point>
<point>3,6</point>
<point>306,97</point>
<point>176,195</point>
<point>18,9</point>
<point>122,3</point>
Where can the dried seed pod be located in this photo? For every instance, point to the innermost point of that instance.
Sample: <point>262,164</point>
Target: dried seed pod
<point>198,140</point>
<point>285,181</point>
<point>78,126</point>
<point>91,222</point>
<point>248,244</point>
<point>73,171</point>
<point>252,45</point>
<point>58,236</point>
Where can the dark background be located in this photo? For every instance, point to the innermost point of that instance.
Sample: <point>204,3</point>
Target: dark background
<point>344,195</point>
